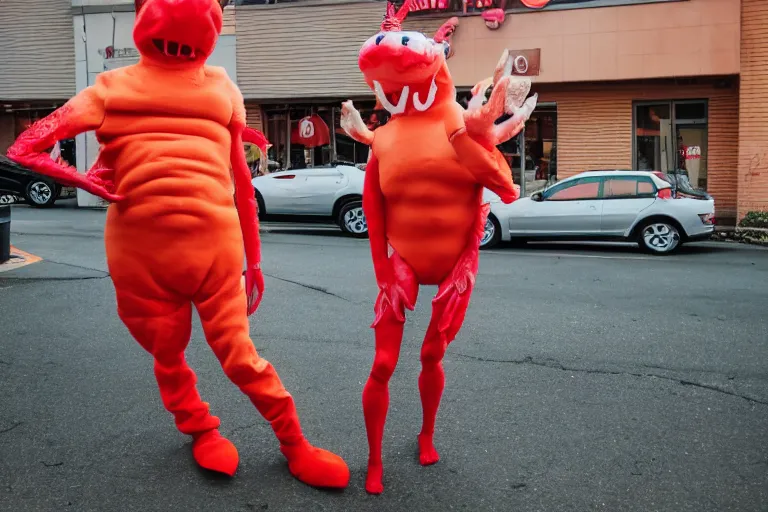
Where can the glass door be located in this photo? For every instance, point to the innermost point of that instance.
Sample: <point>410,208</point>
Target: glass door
<point>692,153</point>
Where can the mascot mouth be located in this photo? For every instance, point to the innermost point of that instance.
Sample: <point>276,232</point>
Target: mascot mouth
<point>419,105</point>
<point>175,49</point>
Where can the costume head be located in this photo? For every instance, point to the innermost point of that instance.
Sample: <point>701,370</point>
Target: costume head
<point>396,62</point>
<point>179,33</point>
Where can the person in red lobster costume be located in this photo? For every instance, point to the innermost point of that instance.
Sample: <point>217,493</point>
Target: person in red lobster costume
<point>171,160</point>
<point>423,203</point>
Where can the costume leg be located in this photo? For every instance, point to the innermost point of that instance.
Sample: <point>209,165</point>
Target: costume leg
<point>163,329</point>
<point>222,307</point>
<point>448,310</point>
<point>389,334</point>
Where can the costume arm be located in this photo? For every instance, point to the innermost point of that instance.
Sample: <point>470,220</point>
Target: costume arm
<point>476,134</point>
<point>487,164</point>
<point>245,201</point>
<point>373,207</point>
<point>392,292</point>
<point>82,113</point>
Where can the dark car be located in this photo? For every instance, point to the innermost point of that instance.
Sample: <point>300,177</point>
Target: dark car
<point>37,190</point>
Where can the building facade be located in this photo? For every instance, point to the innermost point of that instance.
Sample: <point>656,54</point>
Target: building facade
<point>623,84</point>
<point>52,49</point>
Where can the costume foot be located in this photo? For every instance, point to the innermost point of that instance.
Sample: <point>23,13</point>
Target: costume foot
<point>214,452</point>
<point>315,466</point>
<point>427,453</point>
<point>374,479</point>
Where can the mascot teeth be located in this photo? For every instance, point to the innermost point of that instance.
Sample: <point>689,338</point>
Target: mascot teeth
<point>421,107</point>
<point>392,109</point>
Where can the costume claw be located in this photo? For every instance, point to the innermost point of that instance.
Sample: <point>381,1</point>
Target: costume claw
<point>214,452</point>
<point>316,467</point>
<point>352,123</point>
<point>427,453</point>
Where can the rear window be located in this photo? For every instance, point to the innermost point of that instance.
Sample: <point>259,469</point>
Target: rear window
<point>627,187</point>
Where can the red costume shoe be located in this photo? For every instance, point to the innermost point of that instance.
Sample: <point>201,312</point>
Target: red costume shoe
<point>170,129</point>
<point>423,202</point>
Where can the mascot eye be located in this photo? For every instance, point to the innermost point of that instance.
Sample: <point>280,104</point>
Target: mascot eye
<point>446,49</point>
<point>379,39</point>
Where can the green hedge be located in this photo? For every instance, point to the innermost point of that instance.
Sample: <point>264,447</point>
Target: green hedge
<point>755,220</point>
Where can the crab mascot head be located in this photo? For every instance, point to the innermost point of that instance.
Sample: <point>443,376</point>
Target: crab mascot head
<point>403,65</point>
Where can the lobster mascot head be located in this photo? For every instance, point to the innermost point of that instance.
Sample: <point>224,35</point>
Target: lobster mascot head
<point>179,33</point>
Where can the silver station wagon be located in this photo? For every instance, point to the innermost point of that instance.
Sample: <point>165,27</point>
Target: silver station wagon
<point>629,206</point>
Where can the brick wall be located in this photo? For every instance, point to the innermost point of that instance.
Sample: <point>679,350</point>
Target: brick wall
<point>594,129</point>
<point>753,129</point>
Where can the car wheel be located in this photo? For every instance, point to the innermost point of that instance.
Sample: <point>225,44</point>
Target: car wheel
<point>260,209</point>
<point>660,237</point>
<point>491,234</point>
<point>352,219</point>
<point>41,194</point>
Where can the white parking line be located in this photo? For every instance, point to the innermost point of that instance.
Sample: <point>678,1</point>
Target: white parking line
<point>565,255</point>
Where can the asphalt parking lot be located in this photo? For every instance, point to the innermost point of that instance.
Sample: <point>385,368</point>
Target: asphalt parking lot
<point>586,377</point>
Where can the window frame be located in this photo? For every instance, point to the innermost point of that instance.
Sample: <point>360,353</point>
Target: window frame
<point>637,179</point>
<point>673,118</point>
<point>547,194</point>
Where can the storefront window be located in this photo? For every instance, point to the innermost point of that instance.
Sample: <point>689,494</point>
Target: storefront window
<point>671,137</point>
<point>539,150</point>
<point>349,150</point>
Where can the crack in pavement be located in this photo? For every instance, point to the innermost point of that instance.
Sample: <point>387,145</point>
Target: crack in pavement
<point>308,286</point>
<point>555,365</point>
<point>238,429</point>
<point>77,266</point>
<point>80,278</point>
<point>17,424</point>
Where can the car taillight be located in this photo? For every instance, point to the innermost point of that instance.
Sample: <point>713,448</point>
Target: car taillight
<point>707,218</point>
<point>664,193</point>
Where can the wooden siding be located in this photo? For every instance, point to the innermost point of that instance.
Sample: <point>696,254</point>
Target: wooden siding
<point>38,50</point>
<point>594,130</point>
<point>300,51</point>
<point>753,119</point>
<point>254,116</point>
<point>229,21</point>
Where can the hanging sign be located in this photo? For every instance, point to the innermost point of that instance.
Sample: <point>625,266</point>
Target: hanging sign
<point>311,132</point>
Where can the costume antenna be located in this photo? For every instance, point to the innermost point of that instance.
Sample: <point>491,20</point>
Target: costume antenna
<point>393,21</point>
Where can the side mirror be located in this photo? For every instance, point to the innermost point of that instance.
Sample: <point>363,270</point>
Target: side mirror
<point>538,196</point>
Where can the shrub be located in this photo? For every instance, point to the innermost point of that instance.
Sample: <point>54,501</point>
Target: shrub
<point>755,219</point>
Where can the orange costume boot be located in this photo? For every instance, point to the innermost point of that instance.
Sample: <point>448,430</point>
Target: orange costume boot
<point>423,202</point>
<point>170,130</point>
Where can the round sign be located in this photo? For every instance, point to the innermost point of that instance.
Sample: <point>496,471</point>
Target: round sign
<point>521,64</point>
<point>306,129</point>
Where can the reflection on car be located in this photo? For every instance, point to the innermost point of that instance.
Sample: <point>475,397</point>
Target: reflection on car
<point>633,206</point>
<point>333,193</point>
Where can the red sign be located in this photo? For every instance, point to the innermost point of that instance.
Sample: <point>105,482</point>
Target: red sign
<point>311,132</point>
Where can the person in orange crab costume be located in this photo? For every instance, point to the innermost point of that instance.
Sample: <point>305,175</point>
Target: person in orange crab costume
<point>423,202</point>
<point>171,131</point>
